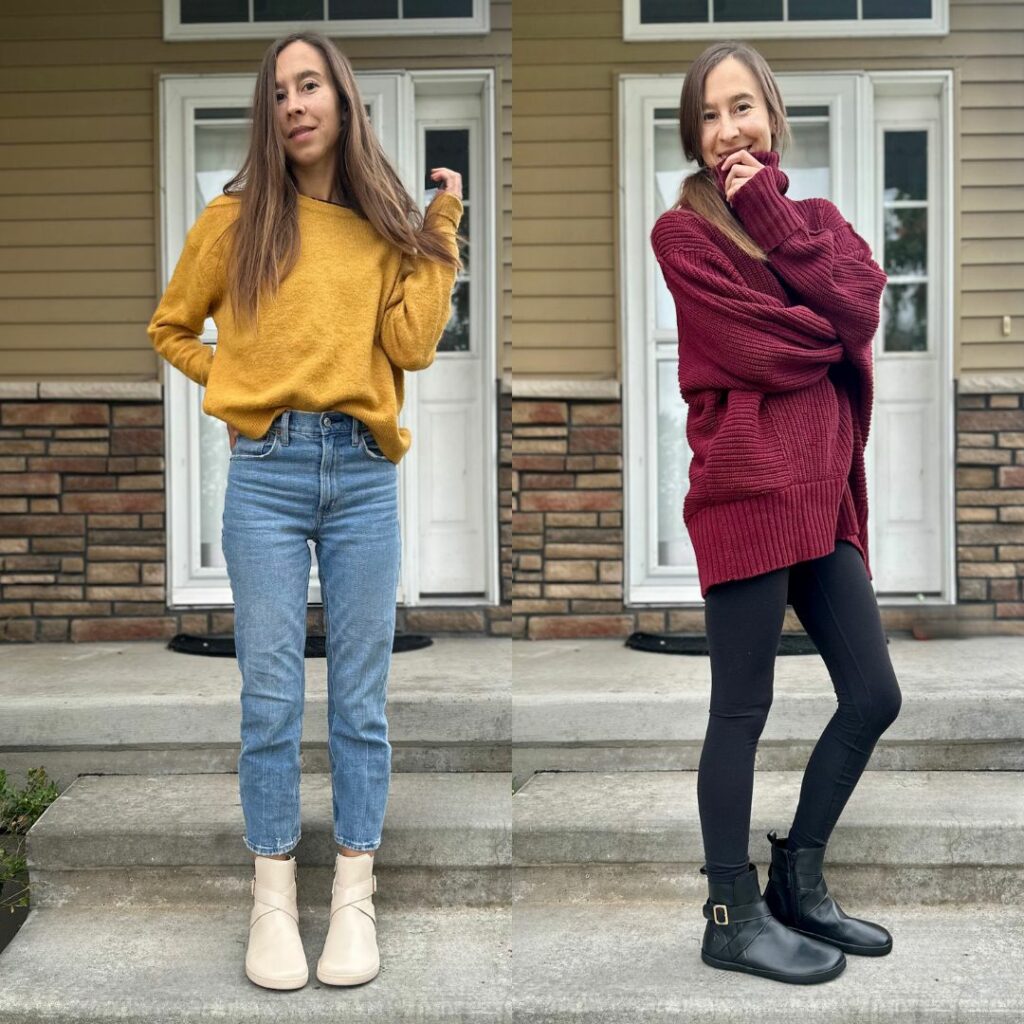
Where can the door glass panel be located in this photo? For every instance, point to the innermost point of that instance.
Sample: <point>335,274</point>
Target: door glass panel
<point>194,12</point>
<point>897,8</point>
<point>287,10</point>
<point>449,147</point>
<point>656,12</point>
<point>905,241</point>
<point>815,10</point>
<point>748,10</point>
<point>674,548</point>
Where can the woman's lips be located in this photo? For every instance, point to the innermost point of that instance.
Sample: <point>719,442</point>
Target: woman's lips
<point>303,134</point>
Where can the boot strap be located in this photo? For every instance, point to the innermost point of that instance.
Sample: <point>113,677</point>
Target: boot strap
<point>722,913</point>
<point>277,900</point>
<point>355,893</point>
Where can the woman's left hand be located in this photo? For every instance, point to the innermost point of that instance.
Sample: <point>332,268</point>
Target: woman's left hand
<point>741,167</point>
<point>451,181</point>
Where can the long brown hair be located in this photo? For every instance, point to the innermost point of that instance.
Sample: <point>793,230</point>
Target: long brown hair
<point>265,235</point>
<point>699,190</point>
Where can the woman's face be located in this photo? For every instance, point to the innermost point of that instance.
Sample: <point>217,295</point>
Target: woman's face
<point>304,95</point>
<point>735,115</point>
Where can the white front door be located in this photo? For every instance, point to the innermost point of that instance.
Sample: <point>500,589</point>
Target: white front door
<point>830,117</point>
<point>205,132</point>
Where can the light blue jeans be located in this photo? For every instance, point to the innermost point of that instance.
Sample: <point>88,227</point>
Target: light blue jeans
<point>319,476</point>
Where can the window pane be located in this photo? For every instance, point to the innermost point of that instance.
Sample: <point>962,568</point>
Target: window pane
<point>447,148</point>
<point>906,165</point>
<point>355,10</point>
<point>748,10</point>
<point>653,12</point>
<point>905,312</point>
<point>287,10</point>
<point>456,333</point>
<point>897,8</point>
<point>807,163</point>
<point>195,12</point>
<point>438,8</point>
<point>668,177</point>
<point>906,242</point>
<point>816,10</point>
<point>673,466</point>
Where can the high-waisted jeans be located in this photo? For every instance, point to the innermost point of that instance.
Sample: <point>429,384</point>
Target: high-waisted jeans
<point>319,477</point>
<point>833,600</point>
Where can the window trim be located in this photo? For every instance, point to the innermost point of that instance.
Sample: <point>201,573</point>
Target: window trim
<point>479,23</point>
<point>633,30</point>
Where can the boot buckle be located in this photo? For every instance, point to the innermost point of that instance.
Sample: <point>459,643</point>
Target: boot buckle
<point>725,913</point>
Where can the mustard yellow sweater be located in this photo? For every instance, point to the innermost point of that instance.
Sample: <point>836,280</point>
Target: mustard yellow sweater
<point>352,315</point>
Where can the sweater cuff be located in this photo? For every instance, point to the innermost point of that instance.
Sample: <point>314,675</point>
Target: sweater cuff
<point>446,206</point>
<point>768,216</point>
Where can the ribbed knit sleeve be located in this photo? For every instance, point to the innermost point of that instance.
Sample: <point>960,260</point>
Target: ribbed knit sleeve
<point>730,334</point>
<point>419,307</point>
<point>816,251</point>
<point>194,289</point>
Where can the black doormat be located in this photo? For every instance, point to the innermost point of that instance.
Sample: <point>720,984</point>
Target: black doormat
<point>222,645</point>
<point>697,643</point>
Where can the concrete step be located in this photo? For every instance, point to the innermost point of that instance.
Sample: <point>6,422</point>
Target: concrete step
<point>136,840</point>
<point>138,708</point>
<point>186,964</point>
<point>623,963</point>
<point>596,705</point>
<point>921,837</point>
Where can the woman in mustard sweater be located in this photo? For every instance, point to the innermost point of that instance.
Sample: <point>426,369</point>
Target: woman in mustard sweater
<point>326,283</point>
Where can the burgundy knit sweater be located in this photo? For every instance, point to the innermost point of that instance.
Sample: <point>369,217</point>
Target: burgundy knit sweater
<point>775,366</point>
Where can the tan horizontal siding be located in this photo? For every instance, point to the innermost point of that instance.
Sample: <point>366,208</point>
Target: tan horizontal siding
<point>78,195</point>
<point>568,55</point>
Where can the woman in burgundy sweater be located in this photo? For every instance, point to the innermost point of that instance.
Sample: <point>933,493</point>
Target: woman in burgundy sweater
<point>777,304</point>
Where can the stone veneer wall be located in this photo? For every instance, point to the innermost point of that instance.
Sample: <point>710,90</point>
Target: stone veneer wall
<point>568,550</point>
<point>82,527</point>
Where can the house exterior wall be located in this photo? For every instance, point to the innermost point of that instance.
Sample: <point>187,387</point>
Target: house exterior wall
<point>568,537</point>
<point>82,505</point>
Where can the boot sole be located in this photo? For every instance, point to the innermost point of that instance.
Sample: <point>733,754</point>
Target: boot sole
<point>809,979</point>
<point>846,947</point>
<point>276,983</point>
<point>346,979</point>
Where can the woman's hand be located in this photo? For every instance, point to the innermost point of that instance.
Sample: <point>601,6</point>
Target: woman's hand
<point>451,182</point>
<point>232,436</point>
<point>741,167</point>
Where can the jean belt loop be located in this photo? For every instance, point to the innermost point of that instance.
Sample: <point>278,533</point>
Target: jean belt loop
<point>284,426</point>
<point>356,430</point>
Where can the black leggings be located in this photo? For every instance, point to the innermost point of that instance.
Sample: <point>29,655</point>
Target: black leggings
<point>833,599</point>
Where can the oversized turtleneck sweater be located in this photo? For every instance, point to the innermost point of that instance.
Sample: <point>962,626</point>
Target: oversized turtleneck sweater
<point>775,366</point>
<point>353,314</point>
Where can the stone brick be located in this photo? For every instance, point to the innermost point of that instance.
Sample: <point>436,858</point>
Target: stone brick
<point>975,478</point>
<point>579,536</point>
<point>529,563</point>
<point>1011,476</point>
<point>39,413</point>
<point>610,518</point>
<point>14,609</point>
<point>539,463</point>
<point>608,462</point>
<point>970,401</point>
<point>527,541</point>
<point>22,447</point>
<point>610,572</point>
<point>137,441</point>
<point>986,569</point>
<point>46,506</point>
<point>126,552</point>
<point>141,482</point>
<point>40,526</point>
<point>567,501</point>
<point>13,464</point>
<point>13,505</point>
<point>966,439</point>
<point>538,607</point>
<point>58,543</point>
<point>580,463</point>
<point>993,497</point>
<point>79,447</point>
<point>591,590</point>
<point>545,481</point>
<point>581,519</point>
<point>31,563</point>
<point>71,608</point>
<point>73,433</point>
<point>651,622</point>
<point>112,572</point>
<point>72,565</point>
<point>539,412</point>
<point>973,590</point>
<point>990,533</point>
<point>532,432</point>
<point>114,593</point>
<point>540,446</point>
<point>1001,420</point>
<point>686,620</point>
<point>1004,401</point>
<point>583,550</point>
<point>597,413</point>
<point>446,620</point>
<point>523,522</point>
<point>970,514</point>
<point>1010,610</point>
<point>67,464</point>
<point>1004,590</point>
<point>18,630</point>
<point>975,554</point>
<point>118,502</point>
<point>595,439</point>
<point>27,577</point>
<point>578,571</point>
<point>983,456</point>
<point>585,607</point>
<point>52,592</point>
<point>572,626</point>
<point>97,630</point>
<point>525,590</point>
<point>101,521</point>
<point>9,545</point>
<point>590,480</point>
<point>1013,439</point>
<point>137,414</point>
<point>29,483</point>
<point>1012,514</point>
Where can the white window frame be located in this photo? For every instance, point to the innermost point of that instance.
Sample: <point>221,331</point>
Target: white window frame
<point>634,31</point>
<point>479,23</point>
<point>645,585</point>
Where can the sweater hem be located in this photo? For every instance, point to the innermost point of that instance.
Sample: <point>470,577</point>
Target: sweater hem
<point>739,539</point>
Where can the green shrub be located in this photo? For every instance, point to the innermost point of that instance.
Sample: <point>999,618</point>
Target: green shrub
<point>19,811</point>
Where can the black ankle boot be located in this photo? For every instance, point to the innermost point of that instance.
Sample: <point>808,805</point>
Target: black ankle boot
<point>742,935</point>
<point>799,898</point>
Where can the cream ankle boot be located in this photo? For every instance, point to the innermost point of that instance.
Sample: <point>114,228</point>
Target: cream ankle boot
<point>275,957</point>
<point>350,954</point>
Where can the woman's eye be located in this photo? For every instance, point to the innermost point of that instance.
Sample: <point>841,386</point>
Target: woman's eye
<point>711,114</point>
<point>280,95</point>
